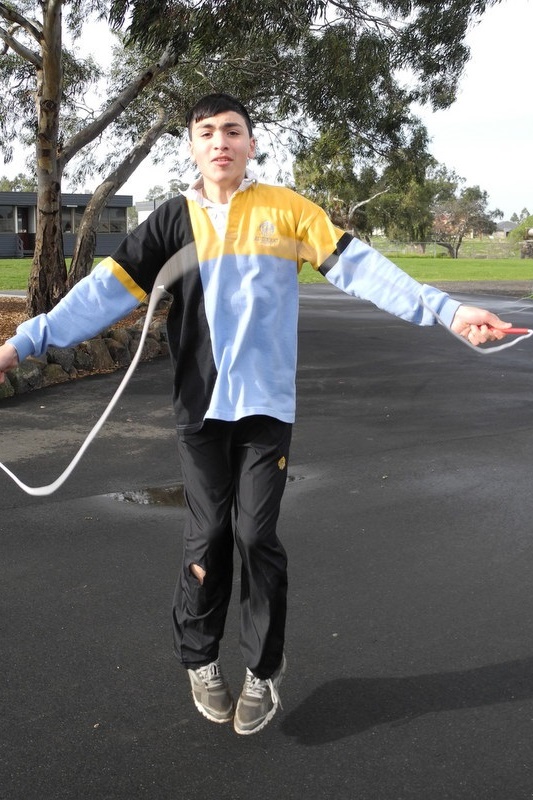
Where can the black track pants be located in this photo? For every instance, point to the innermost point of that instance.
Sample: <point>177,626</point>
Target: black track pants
<point>234,476</point>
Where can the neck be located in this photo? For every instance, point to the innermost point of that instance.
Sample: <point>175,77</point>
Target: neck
<point>219,193</point>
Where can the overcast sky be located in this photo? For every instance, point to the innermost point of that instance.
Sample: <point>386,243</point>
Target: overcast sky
<point>486,136</point>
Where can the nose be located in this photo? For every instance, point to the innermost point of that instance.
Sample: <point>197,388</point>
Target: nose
<point>219,140</point>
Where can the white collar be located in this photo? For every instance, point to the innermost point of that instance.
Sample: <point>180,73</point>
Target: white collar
<point>194,191</point>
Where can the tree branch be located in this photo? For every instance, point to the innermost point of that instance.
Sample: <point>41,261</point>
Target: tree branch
<point>355,206</point>
<point>32,27</point>
<point>117,106</point>
<point>20,49</point>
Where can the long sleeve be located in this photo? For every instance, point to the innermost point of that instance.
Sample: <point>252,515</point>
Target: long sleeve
<point>362,272</point>
<point>97,301</point>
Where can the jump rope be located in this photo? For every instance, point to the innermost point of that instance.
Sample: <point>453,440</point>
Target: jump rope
<point>174,269</point>
<point>171,271</point>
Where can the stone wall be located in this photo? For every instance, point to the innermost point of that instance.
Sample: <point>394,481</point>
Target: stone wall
<point>112,349</point>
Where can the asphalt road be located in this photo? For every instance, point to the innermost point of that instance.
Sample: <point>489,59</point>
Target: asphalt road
<point>407,520</point>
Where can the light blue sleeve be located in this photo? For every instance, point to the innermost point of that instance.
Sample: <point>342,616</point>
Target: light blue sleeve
<point>363,272</point>
<point>93,304</point>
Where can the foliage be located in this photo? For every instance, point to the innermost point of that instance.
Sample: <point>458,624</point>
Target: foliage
<point>411,177</point>
<point>520,218</point>
<point>520,232</point>
<point>159,192</point>
<point>20,183</point>
<point>426,38</point>
<point>324,172</point>
<point>47,82</point>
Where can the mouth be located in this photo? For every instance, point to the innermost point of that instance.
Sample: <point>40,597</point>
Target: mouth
<point>222,161</point>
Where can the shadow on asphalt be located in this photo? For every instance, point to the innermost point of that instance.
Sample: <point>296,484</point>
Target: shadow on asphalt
<point>345,707</point>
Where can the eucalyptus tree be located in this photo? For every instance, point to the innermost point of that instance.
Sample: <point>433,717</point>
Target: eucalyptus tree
<point>325,170</point>
<point>338,56</point>
<point>41,103</point>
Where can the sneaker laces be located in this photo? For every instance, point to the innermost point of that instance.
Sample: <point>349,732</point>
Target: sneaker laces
<point>256,687</point>
<point>211,675</point>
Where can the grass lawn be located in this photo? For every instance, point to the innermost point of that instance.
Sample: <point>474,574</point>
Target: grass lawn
<point>14,273</point>
<point>434,270</point>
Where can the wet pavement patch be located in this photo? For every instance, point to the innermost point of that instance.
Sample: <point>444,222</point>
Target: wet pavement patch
<point>163,495</point>
<point>154,496</point>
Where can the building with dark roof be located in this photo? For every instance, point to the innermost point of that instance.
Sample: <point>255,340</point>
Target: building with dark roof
<point>18,218</point>
<point>504,228</point>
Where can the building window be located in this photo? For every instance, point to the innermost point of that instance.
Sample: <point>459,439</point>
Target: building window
<point>66,219</point>
<point>79,211</point>
<point>113,220</point>
<point>7,219</point>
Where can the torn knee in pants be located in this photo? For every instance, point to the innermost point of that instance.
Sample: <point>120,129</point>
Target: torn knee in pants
<point>198,572</point>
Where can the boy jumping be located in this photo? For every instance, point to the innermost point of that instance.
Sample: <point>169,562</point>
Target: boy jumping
<point>232,330</point>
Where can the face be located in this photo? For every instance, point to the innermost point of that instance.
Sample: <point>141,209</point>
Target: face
<point>221,147</point>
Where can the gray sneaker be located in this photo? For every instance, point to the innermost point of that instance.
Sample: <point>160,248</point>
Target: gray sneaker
<point>258,702</point>
<point>211,692</point>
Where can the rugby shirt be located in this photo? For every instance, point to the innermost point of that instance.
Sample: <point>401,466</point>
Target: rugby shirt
<point>232,324</point>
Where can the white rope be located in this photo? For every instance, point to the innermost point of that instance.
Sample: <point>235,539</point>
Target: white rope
<point>174,268</point>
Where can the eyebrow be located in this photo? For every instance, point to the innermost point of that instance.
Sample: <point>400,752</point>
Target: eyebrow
<point>210,126</point>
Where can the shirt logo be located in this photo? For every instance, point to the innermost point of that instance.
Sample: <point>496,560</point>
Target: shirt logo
<point>266,234</point>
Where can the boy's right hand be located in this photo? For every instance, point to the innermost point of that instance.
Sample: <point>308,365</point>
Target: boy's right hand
<point>8,359</point>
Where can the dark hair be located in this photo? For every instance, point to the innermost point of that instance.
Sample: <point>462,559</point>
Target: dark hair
<point>213,104</point>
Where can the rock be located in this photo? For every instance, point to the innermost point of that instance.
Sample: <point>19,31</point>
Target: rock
<point>119,352</point>
<point>27,376</point>
<point>54,373</point>
<point>82,358</point>
<point>120,335</point>
<point>100,358</point>
<point>61,355</point>
<point>6,389</point>
<point>158,328</point>
<point>151,349</point>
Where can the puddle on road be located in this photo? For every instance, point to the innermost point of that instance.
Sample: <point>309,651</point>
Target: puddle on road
<point>155,496</point>
<point>164,496</point>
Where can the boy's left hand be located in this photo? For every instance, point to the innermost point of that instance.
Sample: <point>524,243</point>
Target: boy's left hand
<point>478,325</point>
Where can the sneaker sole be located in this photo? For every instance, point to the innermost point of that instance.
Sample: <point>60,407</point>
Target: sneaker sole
<point>263,724</point>
<point>271,713</point>
<point>207,714</point>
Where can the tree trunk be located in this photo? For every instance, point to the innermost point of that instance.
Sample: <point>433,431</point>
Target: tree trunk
<point>47,282</point>
<point>82,260</point>
<point>449,247</point>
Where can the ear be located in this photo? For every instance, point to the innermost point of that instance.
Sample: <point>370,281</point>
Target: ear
<point>191,152</point>
<point>251,149</point>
